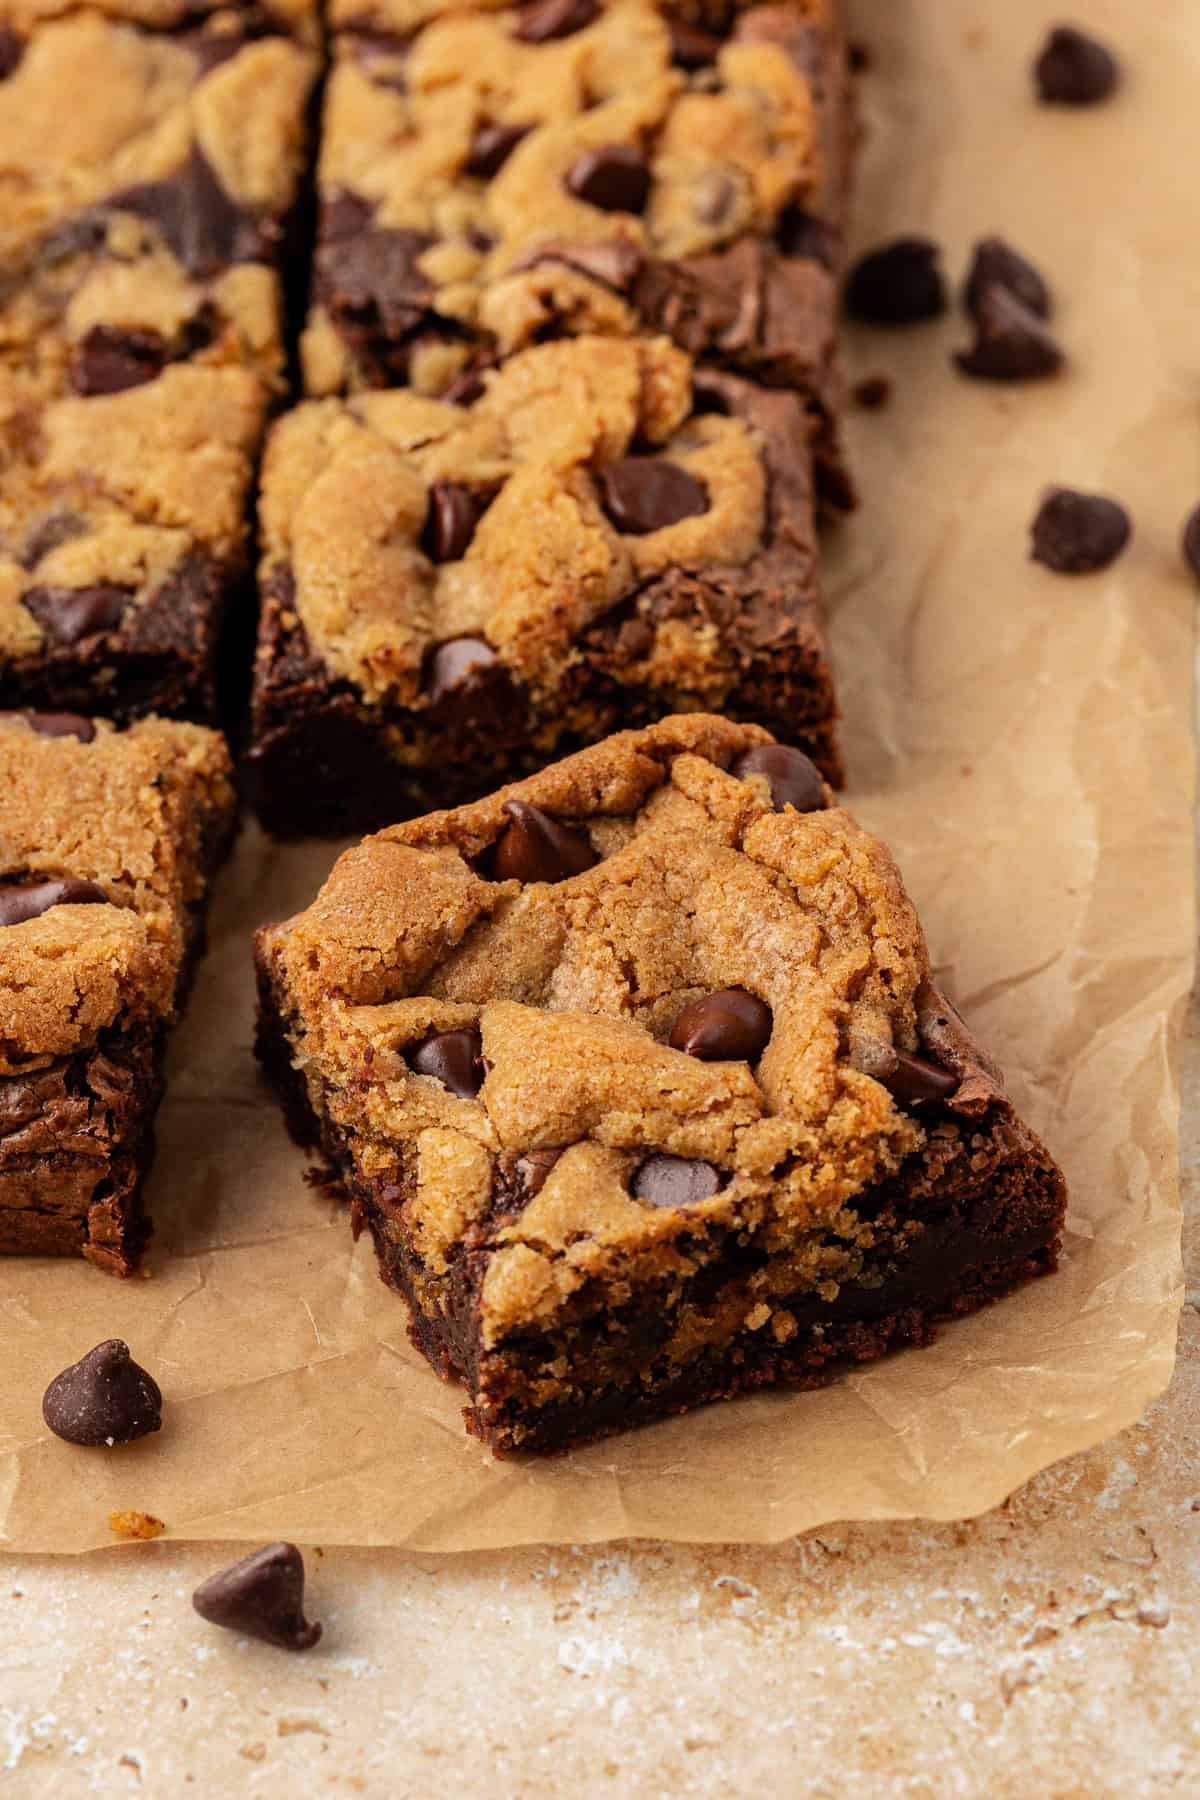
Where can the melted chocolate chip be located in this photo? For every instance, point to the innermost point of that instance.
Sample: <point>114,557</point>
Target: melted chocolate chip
<point>455,1058</point>
<point>68,615</point>
<point>454,512</point>
<point>459,668</point>
<point>794,780</point>
<point>207,231</point>
<point>545,19</point>
<point>20,901</point>
<point>615,177</point>
<point>491,148</point>
<point>647,493</point>
<point>103,1398</point>
<point>677,1181</point>
<point>913,1080</point>
<point>1011,342</point>
<point>536,847</point>
<point>692,48</point>
<point>798,233</point>
<point>1190,541</point>
<point>728,1026</point>
<point>901,283</point>
<point>262,1596</point>
<point>107,360</point>
<point>1076,534</point>
<point>56,724</point>
<point>1074,70</point>
<point>997,264</point>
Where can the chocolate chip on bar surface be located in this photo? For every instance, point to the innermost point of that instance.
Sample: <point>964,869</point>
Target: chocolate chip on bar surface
<point>455,1058</point>
<point>615,177</point>
<point>56,724</point>
<point>723,1026</point>
<point>900,283</point>
<point>535,847</point>
<point>262,1596</point>
<point>1077,534</point>
<point>104,1398</point>
<point>1074,69</point>
<point>793,778</point>
<point>648,493</point>
<point>22,900</point>
<point>676,1181</point>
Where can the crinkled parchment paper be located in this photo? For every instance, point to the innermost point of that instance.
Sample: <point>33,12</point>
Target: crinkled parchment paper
<point>1024,743</point>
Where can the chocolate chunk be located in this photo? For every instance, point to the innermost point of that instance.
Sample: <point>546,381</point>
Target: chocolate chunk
<point>1074,70</point>
<point>873,392</point>
<point>912,1080</point>
<point>29,900</point>
<point>616,262</point>
<point>677,1181</point>
<point>728,1026</point>
<point>458,667</point>
<point>454,512</point>
<point>536,847</point>
<point>647,493</point>
<point>492,146</point>
<point>56,724</point>
<point>466,388</point>
<point>12,49</point>
<point>262,1596</point>
<point>455,1058</point>
<point>692,48</point>
<point>615,177</point>
<point>799,233</point>
<point>533,1168</point>
<point>104,1398</point>
<point>68,615</point>
<point>107,360</point>
<point>898,284</point>
<point>545,19</point>
<point>1191,541</point>
<point>1011,342</point>
<point>1076,534</point>
<point>793,779</point>
<point>997,264</point>
<point>58,528</point>
<point>207,230</point>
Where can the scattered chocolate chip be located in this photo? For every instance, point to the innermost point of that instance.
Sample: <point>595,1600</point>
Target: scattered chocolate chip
<point>468,385</point>
<point>545,19</point>
<point>707,397</point>
<point>70,614</point>
<point>677,1181</point>
<point>455,1058</point>
<point>793,778</point>
<point>104,1398</point>
<point>873,392</point>
<point>858,55</point>
<point>533,1168</point>
<point>457,668</point>
<point>60,724</point>
<point>898,284</point>
<point>58,528</point>
<point>914,1079</point>
<point>20,901</point>
<point>615,177</point>
<point>715,198</point>
<point>996,264</point>
<point>799,233</point>
<point>1076,534</point>
<point>262,1596</point>
<point>207,230</point>
<point>107,360</point>
<point>692,48</point>
<point>536,847</point>
<point>1011,342</point>
<point>1191,541</point>
<point>1073,69</point>
<point>12,48</point>
<point>491,148</point>
<point>648,493</point>
<point>728,1026</point>
<point>454,512</point>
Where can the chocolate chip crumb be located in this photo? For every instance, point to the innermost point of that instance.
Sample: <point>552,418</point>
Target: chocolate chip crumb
<point>1073,69</point>
<point>900,283</point>
<point>873,392</point>
<point>996,264</point>
<point>104,1398</point>
<point>1011,342</point>
<point>1076,534</point>
<point>262,1596</point>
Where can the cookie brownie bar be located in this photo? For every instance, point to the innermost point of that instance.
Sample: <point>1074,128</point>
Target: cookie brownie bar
<point>637,1074</point>
<point>450,593</point>
<point>141,242</point>
<point>107,842</point>
<point>501,177</point>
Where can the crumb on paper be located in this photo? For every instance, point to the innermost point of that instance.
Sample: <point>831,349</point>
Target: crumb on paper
<point>135,1525</point>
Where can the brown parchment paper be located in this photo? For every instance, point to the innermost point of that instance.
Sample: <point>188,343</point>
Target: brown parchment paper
<point>1024,743</point>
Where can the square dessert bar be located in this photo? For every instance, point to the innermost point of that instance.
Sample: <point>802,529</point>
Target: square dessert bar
<point>107,842</point>
<point>453,592</point>
<point>141,334</point>
<point>504,176</point>
<point>637,1074</point>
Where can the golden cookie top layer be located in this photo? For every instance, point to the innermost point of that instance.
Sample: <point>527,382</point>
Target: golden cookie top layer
<point>400,18</point>
<point>105,841</point>
<point>663,979</point>
<point>300,18</point>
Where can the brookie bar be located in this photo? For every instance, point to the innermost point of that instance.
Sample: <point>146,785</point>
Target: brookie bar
<point>638,1077</point>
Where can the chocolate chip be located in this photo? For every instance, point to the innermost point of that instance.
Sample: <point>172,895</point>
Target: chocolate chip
<point>914,1079</point>
<point>707,397</point>
<point>207,231</point>
<point>262,1596</point>
<point>1076,534</point>
<point>1191,541</point>
<point>12,48</point>
<point>1073,69</point>
<point>615,177</point>
<point>60,724</point>
<point>858,55</point>
<point>728,1026</point>
<point>491,148</point>
<point>898,284</point>
<point>799,233</point>
<point>104,1398</point>
<point>58,528</point>
<point>466,388</point>
<point>458,668</point>
<point>1011,342</point>
<point>107,360</point>
<point>997,264</point>
<point>453,513</point>
<point>536,847</point>
<point>692,48</point>
<point>533,1168</point>
<point>455,1058</point>
<point>69,615</point>
<point>20,901</point>
<point>546,19</point>
<point>647,493</point>
<point>715,198</point>
<point>677,1181</point>
<point>873,392</point>
<point>794,780</point>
